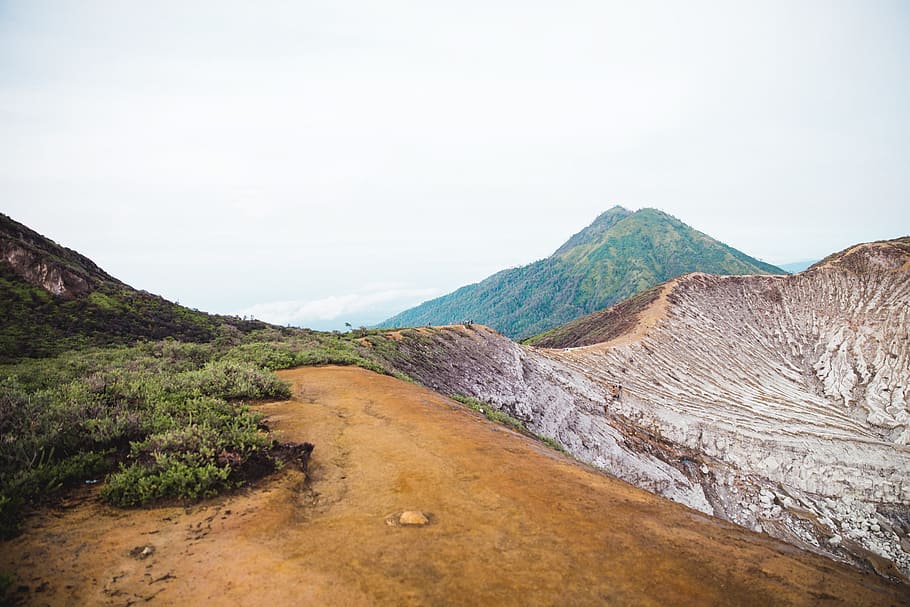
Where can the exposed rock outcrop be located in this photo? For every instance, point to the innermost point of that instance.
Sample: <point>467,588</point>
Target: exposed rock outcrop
<point>45,264</point>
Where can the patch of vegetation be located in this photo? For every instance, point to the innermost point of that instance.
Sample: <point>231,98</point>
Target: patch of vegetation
<point>501,417</point>
<point>491,413</point>
<point>158,420</point>
<point>552,443</point>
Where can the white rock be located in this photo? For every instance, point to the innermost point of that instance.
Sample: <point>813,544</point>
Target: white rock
<point>704,469</point>
<point>835,540</point>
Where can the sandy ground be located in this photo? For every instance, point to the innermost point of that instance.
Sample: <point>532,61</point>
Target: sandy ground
<point>511,522</point>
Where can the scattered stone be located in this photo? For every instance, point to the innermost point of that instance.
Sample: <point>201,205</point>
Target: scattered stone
<point>704,468</point>
<point>835,540</point>
<point>142,552</point>
<point>414,518</point>
<point>758,528</point>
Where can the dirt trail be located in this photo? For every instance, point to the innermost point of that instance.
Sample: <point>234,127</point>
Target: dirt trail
<point>511,523</point>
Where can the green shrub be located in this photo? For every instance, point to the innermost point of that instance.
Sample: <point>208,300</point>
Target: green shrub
<point>233,381</point>
<point>135,485</point>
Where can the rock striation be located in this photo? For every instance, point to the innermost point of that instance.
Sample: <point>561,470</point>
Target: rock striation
<point>781,403</point>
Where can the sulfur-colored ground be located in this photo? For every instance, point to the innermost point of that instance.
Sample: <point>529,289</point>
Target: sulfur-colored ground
<point>511,523</point>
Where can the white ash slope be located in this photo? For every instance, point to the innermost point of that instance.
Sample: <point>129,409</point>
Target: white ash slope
<point>779,403</point>
<point>550,398</point>
<point>797,386</point>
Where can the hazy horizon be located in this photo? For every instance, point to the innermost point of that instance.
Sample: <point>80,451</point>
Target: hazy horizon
<point>320,164</point>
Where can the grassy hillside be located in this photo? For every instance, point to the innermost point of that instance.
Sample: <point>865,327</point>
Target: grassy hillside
<point>53,299</point>
<point>101,382</point>
<point>620,254</point>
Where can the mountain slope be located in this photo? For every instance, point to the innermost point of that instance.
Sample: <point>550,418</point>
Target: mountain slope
<point>53,299</point>
<point>780,403</point>
<point>620,254</point>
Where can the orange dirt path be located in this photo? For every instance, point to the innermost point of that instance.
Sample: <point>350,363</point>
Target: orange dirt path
<point>511,523</point>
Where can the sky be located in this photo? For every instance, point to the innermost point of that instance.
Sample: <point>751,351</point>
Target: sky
<point>316,163</point>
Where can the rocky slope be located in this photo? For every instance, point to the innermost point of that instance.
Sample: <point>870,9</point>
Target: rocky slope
<point>622,253</point>
<point>777,402</point>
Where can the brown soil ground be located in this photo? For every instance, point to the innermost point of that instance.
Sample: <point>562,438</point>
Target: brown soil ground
<point>511,523</point>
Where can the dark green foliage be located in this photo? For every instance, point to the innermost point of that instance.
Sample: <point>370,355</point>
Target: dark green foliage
<point>619,255</point>
<point>192,458</point>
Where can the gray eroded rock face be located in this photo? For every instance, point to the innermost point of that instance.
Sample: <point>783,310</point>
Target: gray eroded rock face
<point>780,403</point>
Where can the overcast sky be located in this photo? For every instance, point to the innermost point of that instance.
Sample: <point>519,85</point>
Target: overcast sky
<point>321,162</point>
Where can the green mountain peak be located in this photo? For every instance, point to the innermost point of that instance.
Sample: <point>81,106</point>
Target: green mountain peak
<point>619,255</point>
<point>596,230</point>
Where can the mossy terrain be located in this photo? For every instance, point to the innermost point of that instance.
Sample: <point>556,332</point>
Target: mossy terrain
<point>620,254</point>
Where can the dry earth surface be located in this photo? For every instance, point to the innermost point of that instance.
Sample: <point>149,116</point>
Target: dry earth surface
<point>509,522</point>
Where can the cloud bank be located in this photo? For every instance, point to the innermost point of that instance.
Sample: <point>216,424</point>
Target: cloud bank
<point>367,307</point>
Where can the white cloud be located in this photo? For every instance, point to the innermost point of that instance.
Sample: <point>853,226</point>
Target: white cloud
<point>367,307</point>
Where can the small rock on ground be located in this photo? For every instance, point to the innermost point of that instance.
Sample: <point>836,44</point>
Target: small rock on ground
<point>413,517</point>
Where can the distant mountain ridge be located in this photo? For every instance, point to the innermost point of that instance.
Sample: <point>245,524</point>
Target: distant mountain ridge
<point>53,298</point>
<point>619,255</point>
